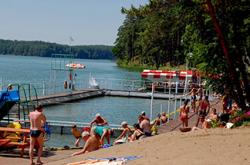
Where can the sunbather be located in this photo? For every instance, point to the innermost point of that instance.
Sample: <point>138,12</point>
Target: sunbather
<point>123,138</point>
<point>164,118</point>
<point>138,134</point>
<point>92,144</point>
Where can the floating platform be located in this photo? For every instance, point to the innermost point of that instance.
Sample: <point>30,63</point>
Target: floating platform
<point>143,94</point>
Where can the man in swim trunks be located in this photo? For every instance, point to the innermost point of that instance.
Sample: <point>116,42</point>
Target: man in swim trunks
<point>145,125</point>
<point>37,120</point>
<point>204,108</point>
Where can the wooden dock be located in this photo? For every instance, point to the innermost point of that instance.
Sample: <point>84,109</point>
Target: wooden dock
<point>90,93</point>
<point>69,96</point>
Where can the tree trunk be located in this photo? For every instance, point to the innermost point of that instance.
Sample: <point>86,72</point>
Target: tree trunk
<point>231,67</point>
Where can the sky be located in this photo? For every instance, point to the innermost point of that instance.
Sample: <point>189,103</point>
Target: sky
<point>87,22</point>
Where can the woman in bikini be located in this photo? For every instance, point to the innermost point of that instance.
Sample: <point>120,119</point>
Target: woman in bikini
<point>138,134</point>
<point>204,108</point>
<point>184,114</point>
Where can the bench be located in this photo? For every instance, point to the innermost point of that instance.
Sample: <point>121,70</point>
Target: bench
<point>23,138</point>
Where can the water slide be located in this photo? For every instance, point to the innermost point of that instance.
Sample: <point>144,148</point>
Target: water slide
<point>7,100</point>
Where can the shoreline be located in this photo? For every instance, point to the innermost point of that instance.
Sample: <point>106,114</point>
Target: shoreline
<point>211,146</point>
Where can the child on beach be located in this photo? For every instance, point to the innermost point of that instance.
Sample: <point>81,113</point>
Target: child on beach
<point>77,134</point>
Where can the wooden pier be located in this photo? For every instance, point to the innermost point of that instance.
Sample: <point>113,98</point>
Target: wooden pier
<point>90,93</point>
<point>69,96</point>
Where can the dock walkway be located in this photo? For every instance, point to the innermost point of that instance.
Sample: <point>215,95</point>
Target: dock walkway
<point>174,125</point>
<point>90,93</point>
<point>69,96</point>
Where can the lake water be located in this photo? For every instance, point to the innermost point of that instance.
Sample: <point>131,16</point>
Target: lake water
<point>19,69</point>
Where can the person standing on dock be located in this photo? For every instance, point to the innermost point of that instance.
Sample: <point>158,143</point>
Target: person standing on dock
<point>37,120</point>
<point>193,94</point>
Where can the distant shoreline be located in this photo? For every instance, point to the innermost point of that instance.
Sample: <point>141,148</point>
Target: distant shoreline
<point>46,49</point>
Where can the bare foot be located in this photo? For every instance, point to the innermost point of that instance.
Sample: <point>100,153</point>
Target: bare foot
<point>39,162</point>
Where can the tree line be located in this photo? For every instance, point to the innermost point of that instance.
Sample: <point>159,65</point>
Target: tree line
<point>45,49</point>
<point>211,35</point>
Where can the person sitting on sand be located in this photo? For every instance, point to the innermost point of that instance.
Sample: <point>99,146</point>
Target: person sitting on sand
<point>164,118</point>
<point>138,134</point>
<point>184,114</point>
<point>145,125</point>
<point>204,108</point>
<point>92,143</point>
<point>213,116</point>
<point>98,120</point>
<point>123,138</point>
<point>77,134</point>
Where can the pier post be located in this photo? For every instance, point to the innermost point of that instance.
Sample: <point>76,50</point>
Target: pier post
<point>151,103</point>
<point>175,106</point>
<point>44,88</point>
<point>168,112</point>
<point>61,132</point>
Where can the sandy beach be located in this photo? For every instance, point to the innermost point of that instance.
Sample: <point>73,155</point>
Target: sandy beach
<point>212,146</point>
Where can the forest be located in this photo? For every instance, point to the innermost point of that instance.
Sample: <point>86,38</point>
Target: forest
<point>209,35</point>
<point>45,49</point>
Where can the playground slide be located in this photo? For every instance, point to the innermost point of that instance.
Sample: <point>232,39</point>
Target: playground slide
<point>7,100</point>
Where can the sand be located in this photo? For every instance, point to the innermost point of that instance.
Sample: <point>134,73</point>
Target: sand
<point>214,146</point>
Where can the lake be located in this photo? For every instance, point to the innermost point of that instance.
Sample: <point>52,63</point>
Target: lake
<point>20,69</point>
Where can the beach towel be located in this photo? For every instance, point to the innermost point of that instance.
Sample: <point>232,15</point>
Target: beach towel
<point>106,161</point>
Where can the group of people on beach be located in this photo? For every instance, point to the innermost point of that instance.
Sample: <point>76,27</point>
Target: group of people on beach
<point>201,107</point>
<point>99,130</point>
